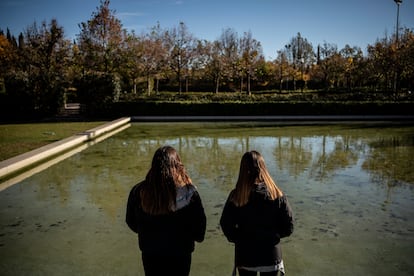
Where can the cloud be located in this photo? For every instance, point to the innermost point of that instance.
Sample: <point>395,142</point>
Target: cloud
<point>131,14</point>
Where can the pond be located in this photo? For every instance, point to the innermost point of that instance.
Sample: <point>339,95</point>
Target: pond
<point>350,186</point>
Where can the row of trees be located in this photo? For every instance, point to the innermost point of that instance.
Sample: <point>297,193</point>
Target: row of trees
<point>41,64</point>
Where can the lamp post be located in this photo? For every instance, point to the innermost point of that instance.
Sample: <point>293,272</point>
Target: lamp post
<point>398,2</point>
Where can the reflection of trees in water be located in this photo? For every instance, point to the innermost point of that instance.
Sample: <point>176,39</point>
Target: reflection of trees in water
<point>107,171</point>
<point>300,154</point>
<point>344,154</point>
<point>292,154</point>
<point>391,160</point>
<point>216,159</point>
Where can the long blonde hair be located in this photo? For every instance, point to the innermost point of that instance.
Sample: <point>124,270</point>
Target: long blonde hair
<point>158,193</point>
<point>253,171</point>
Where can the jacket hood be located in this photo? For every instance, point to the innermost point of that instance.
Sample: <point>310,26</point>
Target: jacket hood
<point>184,195</point>
<point>260,191</point>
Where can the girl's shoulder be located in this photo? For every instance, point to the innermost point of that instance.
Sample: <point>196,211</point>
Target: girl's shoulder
<point>185,195</point>
<point>282,201</point>
<point>136,189</point>
<point>188,189</point>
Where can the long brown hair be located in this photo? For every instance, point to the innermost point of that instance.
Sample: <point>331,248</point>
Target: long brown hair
<point>253,171</point>
<point>158,193</point>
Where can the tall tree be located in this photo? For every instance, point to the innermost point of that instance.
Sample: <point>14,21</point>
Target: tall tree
<point>153,57</point>
<point>7,55</point>
<point>181,46</point>
<point>250,54</point>
<point>406,59</point>
<point>352,59</point>
<point>326,68</point>
<point>281,69</point>
<point>301,55</point>
<point>229,41</point>
<point>132,67</point>
<point>43,66</point>
<point>215,63</point>
<point>102,40</point>
<point>381,57</point>
<point>385,54</point>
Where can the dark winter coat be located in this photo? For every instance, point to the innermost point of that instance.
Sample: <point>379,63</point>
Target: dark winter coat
<point>172,234</point>
<point>257,227</point>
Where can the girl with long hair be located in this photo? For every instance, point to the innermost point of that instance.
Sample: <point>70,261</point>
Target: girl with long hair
<point>255,217</point>
<point>166,211</point>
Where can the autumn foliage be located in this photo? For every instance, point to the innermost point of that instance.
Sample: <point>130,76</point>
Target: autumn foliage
<point>41,69</point>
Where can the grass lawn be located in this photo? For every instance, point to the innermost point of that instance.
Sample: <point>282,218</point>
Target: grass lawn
<point>16,139</point>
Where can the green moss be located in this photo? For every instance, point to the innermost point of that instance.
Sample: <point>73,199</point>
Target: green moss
<point>16,139</point>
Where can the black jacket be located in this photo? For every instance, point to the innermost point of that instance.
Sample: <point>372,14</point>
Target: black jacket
<point>257,227</point>
<point>170,234</point>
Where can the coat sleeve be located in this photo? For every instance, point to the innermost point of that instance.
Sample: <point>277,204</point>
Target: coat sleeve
<point>286,218</point>
<point>132,210</point>
<point>228,221</point>
<point>199,220</point>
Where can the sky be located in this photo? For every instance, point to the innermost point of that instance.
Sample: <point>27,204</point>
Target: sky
<point>272,22</point>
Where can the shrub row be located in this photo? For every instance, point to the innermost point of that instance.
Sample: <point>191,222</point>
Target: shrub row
<point>155,108</point>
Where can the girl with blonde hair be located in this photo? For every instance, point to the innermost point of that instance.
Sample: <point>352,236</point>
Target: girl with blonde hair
<point>255,217</point>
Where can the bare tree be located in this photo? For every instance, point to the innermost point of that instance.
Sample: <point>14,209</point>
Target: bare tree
<point>180,44</point>
<point>301,55</point>
<point>159,52</point>
<point>229,42</point>
<point>215,63</point>
<point>152,57</point>
<point>281,68</point>
<point>250,54</point>
<point>133,68</point>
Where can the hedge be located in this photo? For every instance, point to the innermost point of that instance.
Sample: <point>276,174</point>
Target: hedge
<point>149,108</point>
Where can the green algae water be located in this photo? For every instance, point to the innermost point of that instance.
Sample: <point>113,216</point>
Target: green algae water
<point>350,187</point>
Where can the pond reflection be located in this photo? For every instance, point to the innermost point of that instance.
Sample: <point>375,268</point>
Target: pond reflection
<point>351,188</point>
<point>391,160</point>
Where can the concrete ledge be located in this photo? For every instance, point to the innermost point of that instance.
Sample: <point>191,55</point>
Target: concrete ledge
<point>299,119</point>
<point>17,163</point>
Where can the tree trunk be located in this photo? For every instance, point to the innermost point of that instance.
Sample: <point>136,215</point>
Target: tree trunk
<point>179,81</point>
<point>294,83</point>
<point>148,85</point>
<point>248,84</point>
<point>135,86</point>
<point>157,81</point>
<point>241,84</point>
<point>280,85</point>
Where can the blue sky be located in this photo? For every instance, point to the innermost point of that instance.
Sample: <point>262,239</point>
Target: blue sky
<point>272,22</point>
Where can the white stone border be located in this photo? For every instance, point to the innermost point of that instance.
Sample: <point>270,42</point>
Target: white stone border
<point>17,163</point>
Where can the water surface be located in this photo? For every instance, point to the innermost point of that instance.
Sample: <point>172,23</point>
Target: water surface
<point>350,187</point>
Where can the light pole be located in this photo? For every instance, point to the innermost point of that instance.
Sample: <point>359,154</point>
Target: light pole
<point>398,2</point>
